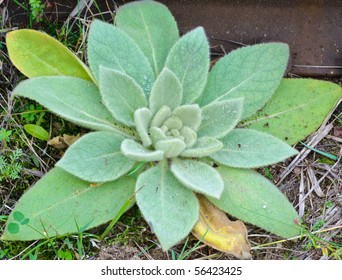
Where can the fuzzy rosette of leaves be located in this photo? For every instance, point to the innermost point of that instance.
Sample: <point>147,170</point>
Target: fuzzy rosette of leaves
<point>150,98</point>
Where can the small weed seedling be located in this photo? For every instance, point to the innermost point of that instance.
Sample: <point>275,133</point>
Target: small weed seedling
<point>5,135</point>
<point>189,138</point>
<point>35,9</point>
<point>10,166</point>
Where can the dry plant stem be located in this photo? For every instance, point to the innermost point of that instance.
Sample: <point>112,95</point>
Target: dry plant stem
<point>315,183</point>
<point>79,8</point>
<point>321,133</point>
<point>301,195</point>
<point>142,250</point>
<point>320,180</point>
<point>296,237</point>
<point>318,66</point>
<point>337,139</point>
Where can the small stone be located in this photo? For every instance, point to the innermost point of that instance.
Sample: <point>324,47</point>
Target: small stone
<point>297,170</point>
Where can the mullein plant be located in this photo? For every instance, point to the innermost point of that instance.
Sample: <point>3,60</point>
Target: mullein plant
<point>196,135</point>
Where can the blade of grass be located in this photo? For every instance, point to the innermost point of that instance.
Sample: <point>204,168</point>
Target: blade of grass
<point>320,152</point>
<point>99,10</point>
<point>116,218</point>
<point>136,168</point>
<point>304,233</point>
<point>183,255</point>
<point>184,247</point>
<point>21,5</point>
<point>3,218</point>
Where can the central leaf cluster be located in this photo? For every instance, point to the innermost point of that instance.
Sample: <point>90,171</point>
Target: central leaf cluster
<point>169,131</point>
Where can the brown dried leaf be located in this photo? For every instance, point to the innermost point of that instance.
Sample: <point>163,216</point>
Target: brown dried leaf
<point>216,230</point>
<point>64,142</point>
<point>70,139</point>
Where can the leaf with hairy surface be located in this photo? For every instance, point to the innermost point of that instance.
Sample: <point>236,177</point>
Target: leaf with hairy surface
<point>96,157</point>
<point>252,72</point>
<point>203,147</point>
<point>198,176</point>
<point>121,95</point>
<point>110,47</point>
<point>248,148</point>
<point>135,151</point>
<point>189,60</point>
<point>219,118</point>
<point>250,197</point>
<point>190,115</point>
<point>82,106</point>
<point>297,108</point>
<point>60,204</point>
<point>170,209</point>
<point>166,91</point>
<point>152,27</point>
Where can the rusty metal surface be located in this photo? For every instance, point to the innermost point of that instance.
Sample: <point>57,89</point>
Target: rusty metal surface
<point>312,28</point>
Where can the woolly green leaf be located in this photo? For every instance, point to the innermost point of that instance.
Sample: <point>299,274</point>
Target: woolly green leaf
<point>189,135</point>
<point>170,209</point>
<point>142,119</point>
<point>109,47</point>
<point>252,198</point>
<point>297,108</point>
<point>252,72</point>
<point>172,147</point>
<point>198,176</point>
<point>190,115</point>
<point>166,91</point>
<point>37,131</point>
<point>74,99</point>
<point>137,152</point>
<point>152,27</point>
<point>248,148</point>
<point>121,95</point>
<point>161,116</point>
<point>173,123</point>
<point>60,203</point>
<point>203,147</point>
<point>96,157</point>
<point>37,54</point>
<point>189,60</point>
<point>157,134</point>
<point>220,117</point>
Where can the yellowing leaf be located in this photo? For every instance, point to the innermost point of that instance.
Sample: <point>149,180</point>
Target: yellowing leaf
<point>216,230</point>
<point>37,54</point>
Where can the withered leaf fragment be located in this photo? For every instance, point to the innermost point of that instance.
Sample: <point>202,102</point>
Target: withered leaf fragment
<point>64,142</point>
<point>216,230</point>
